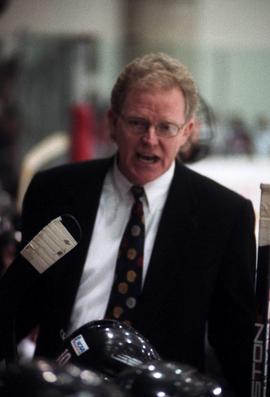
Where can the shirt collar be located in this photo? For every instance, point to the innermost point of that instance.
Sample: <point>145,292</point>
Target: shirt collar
<point>155,191</point>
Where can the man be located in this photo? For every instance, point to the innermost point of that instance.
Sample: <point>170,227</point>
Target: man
<point>199,248</point>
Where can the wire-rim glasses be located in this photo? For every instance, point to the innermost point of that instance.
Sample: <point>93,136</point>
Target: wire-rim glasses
<point>140,126</point>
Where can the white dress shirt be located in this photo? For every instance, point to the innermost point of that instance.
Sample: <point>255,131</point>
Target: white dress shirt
<point>112,216</point>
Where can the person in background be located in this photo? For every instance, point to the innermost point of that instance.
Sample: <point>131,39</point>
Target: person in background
<point>239,140</point>
<point>9,126</point>
<point>198,261</point>
<point>262,135</point>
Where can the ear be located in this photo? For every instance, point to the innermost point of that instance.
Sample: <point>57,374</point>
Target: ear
<point>112,121</point>
<point>188,130</point>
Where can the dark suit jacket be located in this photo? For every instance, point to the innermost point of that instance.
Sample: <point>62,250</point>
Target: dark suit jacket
<point>201,269</point>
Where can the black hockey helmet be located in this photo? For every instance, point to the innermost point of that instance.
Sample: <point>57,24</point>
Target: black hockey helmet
<point>166,379</point>
<point>107,346</point>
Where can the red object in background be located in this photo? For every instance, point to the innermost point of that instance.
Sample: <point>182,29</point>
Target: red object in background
<point>83,125</point>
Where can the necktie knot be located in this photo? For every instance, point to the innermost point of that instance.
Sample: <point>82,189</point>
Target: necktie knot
<point>137,191</point>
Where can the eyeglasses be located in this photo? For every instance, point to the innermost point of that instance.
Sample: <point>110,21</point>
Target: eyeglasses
<point>140,126</point>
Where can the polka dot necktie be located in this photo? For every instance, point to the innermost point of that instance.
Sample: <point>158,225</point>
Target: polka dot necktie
<point>128,272</point>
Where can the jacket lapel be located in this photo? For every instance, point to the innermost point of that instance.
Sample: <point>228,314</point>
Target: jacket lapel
<point>177,226</point>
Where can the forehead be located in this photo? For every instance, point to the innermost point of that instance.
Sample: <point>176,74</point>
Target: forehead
<point>155,100</point>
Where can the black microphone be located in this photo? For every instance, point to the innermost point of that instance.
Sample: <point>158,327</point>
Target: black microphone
<point>53,242</point>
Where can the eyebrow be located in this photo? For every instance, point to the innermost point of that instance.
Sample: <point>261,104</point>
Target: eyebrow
<point>159,122</point>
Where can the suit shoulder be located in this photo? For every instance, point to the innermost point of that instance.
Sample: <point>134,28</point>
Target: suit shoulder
<point>74,168</point>
<point>72,171</point>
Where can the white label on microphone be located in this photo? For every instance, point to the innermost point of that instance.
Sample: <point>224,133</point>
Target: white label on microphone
<point>50,244</point>
<point>79,345</point>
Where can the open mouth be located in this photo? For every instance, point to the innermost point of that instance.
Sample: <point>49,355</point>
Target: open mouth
<point>148,159</point>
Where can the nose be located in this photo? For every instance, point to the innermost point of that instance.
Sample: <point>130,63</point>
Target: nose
<point>150,136</point>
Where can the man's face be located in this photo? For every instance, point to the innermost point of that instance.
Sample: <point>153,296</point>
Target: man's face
<point>144,157</point>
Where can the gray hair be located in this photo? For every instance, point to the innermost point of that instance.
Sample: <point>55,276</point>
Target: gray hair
<point>155,70</point>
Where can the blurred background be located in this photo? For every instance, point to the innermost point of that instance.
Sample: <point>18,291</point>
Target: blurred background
<point>60,58</point>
